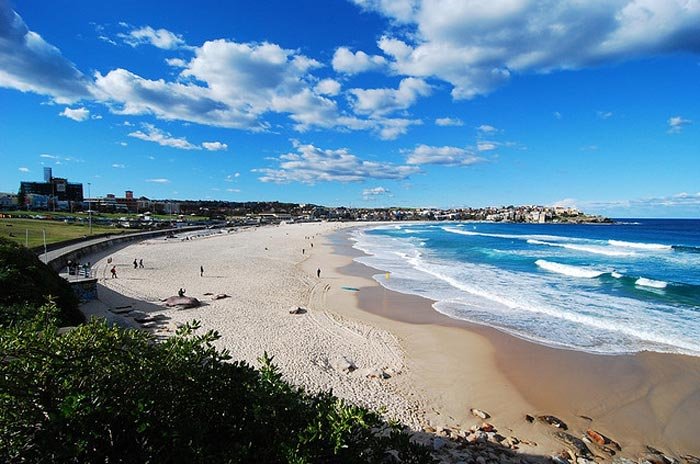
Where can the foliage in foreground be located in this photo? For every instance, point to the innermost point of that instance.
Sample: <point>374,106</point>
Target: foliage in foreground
<point>105,394</point>
<point>26,283</point>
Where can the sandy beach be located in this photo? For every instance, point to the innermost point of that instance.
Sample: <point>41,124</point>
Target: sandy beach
<point>392,351</point>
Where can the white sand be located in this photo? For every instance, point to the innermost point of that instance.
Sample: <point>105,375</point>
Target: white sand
<point>260,268</point>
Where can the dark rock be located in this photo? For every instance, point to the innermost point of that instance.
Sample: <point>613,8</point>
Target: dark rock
<point>690,459</point>
<point>571,440</point>
<point>551,420</point>
<point>529,418</point>
<point>219,296</point>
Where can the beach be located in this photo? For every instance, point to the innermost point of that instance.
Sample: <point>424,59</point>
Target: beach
<point>393,351</point>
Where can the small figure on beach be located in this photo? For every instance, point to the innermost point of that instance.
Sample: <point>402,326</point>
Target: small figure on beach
<point>141,262</point>
<point>318,272</point>
<point>109,260</point>
<point>303,251</point>
<point>114,272</point>
<point>201,271</point>
<point>181,292</point>
<point>136,263</point>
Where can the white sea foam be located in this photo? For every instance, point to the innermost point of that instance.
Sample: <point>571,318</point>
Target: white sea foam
<point>542,307</point>
<point>644,282</point>
<point>452,230</point>
<point>616,275</point>
<point>567,269</point>
<point>598,250</point>
<point>639,245</point>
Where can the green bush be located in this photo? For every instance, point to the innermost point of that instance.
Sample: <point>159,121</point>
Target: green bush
<point>106,394</point>
<point>25,280</point>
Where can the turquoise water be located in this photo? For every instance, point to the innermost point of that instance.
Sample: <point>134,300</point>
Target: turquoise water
<point>621,288</point>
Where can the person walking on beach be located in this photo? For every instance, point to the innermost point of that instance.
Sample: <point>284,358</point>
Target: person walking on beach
<point>201,271</point>
<point>136,263</point>
<point>318,272</point>
<point>114,272</point>
<point>141,263</point>
<point>181,292</point>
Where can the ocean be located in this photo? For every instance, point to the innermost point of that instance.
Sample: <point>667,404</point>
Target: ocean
<point>618,288</point>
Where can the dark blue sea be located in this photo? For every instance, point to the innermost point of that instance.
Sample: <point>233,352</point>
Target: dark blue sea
<point>620,288</point>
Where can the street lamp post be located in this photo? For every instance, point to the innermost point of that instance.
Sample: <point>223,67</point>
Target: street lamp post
<point>89,209</point>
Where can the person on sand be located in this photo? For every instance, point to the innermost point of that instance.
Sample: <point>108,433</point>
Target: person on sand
<point>181,292</point>
<point>141,262</point>
<point>136,263</point>
<point>201,271</point>
<point>318,273</point>
<point>114,272</point>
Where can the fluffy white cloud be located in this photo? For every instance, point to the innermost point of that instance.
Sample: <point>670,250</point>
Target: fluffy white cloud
<point>30,64</point>
<point>23,169</point>
<point>118,166</point>
<point>446,156</point>
<point>160,38</point>
<point>372,193</point>
<point>214,146</point>
<point>153,134</point>
<point>159,180</point>
<point>76,114</point>
<point>486,129</point>
<point>329,87</point>
<point>676,124</point>
<point>476,45</point>
<point>349,62</point>
<point>310,165</point>
<point>380,102</point>
<point>486,146</point>
<point>604,114</point>
<point>444,122</point>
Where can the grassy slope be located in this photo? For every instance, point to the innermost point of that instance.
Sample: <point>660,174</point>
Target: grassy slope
<point>55,231</point>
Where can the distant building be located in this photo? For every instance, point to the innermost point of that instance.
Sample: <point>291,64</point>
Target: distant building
<point>58,190</point>
<point>8,200</point>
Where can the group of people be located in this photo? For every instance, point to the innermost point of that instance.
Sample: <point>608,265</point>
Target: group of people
<point>75,268</point>
<point>138,264</point>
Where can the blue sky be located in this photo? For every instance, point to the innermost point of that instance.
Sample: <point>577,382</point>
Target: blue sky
<point>359,103</point>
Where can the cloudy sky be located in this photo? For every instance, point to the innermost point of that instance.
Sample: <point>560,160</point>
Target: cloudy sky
<point>359,102</point>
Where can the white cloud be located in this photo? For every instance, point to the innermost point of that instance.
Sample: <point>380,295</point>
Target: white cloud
<point>329,87</point>
<point>486,146</point>
<point>349,62</point>
<point>557,115</point>
<point>477,46</point>
<point>233,190</point>
<point>160,38</point>
<point>76,114</point>
<point>444,122</point>
<point>176,62</point>
<point>30,64</point>
<point>123,144</point>
<point>310,165</point>
<point>486,129</point>
<point>380,102</point>
<point>159,180</point>
<point>153,134</point>
<point>23,169</point>
<point>118,166</point>
<point>214,146</point>
<point>372,193</point>
<point>604,114</point>
<point>676,124</point>
<point>446,156</point>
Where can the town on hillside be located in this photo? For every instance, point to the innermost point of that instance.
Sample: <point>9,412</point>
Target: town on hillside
<point>57,198</point>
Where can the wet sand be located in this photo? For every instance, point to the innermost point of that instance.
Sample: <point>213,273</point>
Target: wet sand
<point>638,400</point>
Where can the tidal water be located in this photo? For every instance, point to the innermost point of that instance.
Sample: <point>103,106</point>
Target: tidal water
<point>621,288</point>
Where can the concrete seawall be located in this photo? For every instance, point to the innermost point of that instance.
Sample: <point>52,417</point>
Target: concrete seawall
<point>58,259</point>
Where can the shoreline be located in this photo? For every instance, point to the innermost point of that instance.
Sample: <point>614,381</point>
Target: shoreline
<point>641,399</point>
<point>436,368</point>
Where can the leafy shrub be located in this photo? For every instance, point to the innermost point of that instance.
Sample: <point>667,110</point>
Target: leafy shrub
<point>24,279</point>
<point>106,394</point>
